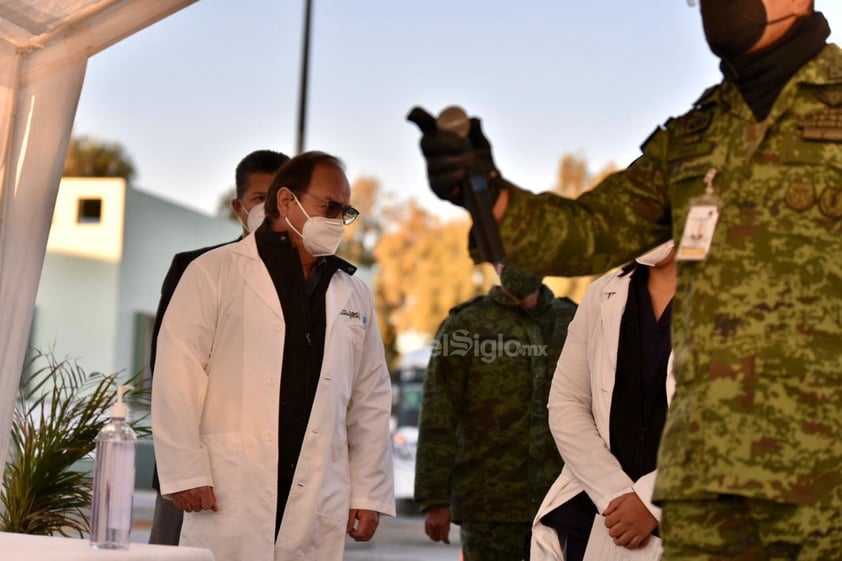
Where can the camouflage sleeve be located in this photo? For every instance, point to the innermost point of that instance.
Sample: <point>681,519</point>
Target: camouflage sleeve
<point>627,213</point>
<point>567,309</point>
<point>436,454</point>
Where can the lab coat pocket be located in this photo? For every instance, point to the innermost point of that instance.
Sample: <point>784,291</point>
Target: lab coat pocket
<point>347,341</point>
<point>221,532</point>
<point>335,494</point>
<point>354,332</point>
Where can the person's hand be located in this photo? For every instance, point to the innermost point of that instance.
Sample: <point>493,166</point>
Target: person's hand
<point>437,523</point>
<point>362,524</point>
<point>195,500</point>
<point>629,522</point>
<point>451,158</point>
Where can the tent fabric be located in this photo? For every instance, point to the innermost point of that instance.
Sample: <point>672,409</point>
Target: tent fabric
<point>44,49</point>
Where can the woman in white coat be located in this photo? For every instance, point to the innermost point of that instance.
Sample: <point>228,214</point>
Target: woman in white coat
<point>594,392</point>
<point>217,409</point>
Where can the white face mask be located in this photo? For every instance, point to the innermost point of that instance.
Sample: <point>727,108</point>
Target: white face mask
<point>321,235</point>
<point>656,255</point>
<point>255,217</point>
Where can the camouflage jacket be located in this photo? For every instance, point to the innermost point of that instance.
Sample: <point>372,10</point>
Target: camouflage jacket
<point>757,326</point>
<point>484,444</point>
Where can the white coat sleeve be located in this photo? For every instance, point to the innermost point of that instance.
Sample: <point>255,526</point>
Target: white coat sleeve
<point>369,442</point>
<point>571,416</point>
<point>644,488</point>
<point>180,382</point>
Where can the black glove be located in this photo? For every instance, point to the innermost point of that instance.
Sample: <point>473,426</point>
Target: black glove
<point>452,158</point>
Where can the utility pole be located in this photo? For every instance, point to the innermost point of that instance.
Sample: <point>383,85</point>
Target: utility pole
<point>305,71</point>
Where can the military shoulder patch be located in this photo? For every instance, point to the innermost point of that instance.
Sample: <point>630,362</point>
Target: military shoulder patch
<point>687,137</point>
<point>466,303</point>
<point>693,147</point>
<point>695,122</point>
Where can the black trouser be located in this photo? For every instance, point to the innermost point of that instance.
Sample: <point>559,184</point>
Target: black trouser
<point>284,485</point>
<point>573,521</point>
<point>166,522</point>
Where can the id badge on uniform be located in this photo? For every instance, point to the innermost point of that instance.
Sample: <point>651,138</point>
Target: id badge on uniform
<point>700,224</point>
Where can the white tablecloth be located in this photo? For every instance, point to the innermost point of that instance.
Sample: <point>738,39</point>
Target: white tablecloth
<point>23,547</point>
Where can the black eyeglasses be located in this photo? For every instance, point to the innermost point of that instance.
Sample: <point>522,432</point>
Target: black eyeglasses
<point>334,209</point>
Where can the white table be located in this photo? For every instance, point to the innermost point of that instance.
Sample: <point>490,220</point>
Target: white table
<point>23,547</point>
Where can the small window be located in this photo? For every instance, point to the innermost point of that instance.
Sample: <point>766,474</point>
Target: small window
<point>90,211</point>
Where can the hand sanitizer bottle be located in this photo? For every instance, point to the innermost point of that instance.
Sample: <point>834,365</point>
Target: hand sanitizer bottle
<point>111,508</point>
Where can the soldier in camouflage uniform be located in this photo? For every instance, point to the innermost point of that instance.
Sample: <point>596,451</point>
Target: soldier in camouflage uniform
<point>750,464</point>
<point>485,454</point>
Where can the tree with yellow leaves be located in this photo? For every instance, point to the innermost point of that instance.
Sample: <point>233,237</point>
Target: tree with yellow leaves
<point>423,270</point>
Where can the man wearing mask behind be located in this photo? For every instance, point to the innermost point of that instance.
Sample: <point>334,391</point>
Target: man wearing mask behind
<point>270,409</point>
<point>748,184</point>
<point>485,454</point>
<point>252,178</point>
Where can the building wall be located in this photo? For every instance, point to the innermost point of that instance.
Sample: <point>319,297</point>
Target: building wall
<point>100,276</point>
<point>74,310</point>
<point>78,290</point>
<point>155,230</point>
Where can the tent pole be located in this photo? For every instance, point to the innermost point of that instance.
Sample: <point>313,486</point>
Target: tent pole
<point>8,138</point>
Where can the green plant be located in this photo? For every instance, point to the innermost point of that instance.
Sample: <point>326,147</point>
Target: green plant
<point>58,414</point>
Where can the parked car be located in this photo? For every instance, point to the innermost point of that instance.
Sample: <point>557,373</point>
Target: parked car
<point>408,383</point>
<point>404,444</point>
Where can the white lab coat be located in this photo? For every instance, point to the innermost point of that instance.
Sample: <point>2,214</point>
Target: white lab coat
<point>580,407</point>
<point>215,404</point>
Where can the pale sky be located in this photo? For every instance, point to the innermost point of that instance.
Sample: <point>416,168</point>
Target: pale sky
<point>191,95</point>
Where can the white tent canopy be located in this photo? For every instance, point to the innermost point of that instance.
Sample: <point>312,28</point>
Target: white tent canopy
<point>44,50</point>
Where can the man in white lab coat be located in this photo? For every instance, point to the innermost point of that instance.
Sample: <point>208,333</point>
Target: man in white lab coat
<point>271,403</point>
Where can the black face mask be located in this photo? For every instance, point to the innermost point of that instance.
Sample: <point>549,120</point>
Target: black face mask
<point>732,27</point>
<point>519,284</point>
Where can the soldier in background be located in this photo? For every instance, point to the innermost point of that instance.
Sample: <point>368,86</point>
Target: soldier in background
<point>749,184</point>
<point>485,454</point>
